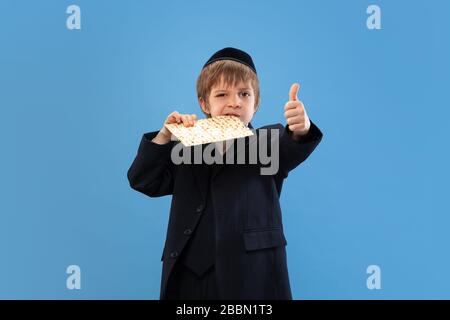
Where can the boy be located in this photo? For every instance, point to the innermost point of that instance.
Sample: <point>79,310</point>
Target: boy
<point>225,235</point>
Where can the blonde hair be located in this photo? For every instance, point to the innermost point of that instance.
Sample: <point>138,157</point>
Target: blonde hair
<point>231,72</point>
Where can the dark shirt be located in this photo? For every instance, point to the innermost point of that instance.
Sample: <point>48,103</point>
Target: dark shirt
<point>199,254</point>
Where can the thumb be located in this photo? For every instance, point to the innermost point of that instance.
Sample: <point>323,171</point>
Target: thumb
<point>293,92</point>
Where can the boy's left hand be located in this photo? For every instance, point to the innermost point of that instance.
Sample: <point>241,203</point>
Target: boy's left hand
<point>295,114</point>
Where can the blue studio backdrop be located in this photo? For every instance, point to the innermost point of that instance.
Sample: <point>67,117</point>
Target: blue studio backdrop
<point>74,103</point>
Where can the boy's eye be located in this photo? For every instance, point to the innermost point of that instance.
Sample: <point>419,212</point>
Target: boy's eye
<point>245,94</point>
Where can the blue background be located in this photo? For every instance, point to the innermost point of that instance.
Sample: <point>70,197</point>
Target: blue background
<point>75,103</point>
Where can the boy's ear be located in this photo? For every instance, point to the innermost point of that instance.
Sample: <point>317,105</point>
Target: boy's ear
<point>203,105</point>
<point>256,107</point>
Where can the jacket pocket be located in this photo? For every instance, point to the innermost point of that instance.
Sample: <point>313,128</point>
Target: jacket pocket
<point>263,239</point>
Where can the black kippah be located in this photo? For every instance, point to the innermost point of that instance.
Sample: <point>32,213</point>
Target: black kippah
<point>232,54</point>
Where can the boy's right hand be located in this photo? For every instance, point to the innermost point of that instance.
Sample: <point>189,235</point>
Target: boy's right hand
<point>164,135</point>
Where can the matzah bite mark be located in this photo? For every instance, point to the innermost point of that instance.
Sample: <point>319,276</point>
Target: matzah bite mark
<point>210,130</point>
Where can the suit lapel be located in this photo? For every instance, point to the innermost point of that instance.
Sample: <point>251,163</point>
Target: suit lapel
<point>202,172</point>
<point>221,167</point>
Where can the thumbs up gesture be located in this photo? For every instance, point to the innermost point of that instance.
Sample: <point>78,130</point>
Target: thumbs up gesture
<point>295,114</point>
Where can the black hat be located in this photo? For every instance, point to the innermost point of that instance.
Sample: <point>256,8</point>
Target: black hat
<point>232,54</point>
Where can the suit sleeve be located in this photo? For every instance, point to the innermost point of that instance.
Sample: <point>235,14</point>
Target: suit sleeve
<point>292,152</point>
<point>152,171</point>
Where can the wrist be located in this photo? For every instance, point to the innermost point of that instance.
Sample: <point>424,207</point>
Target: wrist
<point>162,138</point>
<point>165,133</point>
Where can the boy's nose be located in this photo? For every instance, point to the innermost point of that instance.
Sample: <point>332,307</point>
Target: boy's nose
<point>234,102</point>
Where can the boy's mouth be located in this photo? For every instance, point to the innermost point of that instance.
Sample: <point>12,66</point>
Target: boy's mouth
<point>231,114</point>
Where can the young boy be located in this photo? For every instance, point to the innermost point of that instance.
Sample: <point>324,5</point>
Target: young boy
<point>225,235</point>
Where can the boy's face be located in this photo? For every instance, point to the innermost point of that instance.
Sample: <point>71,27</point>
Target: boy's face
<point>225,99</point>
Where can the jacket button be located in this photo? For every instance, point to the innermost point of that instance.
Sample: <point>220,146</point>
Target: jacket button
<point>187,232</point>
<point>200,208</point>
<point>174,254</point>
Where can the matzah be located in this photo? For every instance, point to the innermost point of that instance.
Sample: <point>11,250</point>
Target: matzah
<point>210,130</point>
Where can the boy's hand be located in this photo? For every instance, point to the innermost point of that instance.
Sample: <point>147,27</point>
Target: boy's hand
<point>295,114</point>
<point>164,134</point>
<point>188,120</point>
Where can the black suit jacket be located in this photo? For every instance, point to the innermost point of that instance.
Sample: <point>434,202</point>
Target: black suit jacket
<point>250,260</point>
